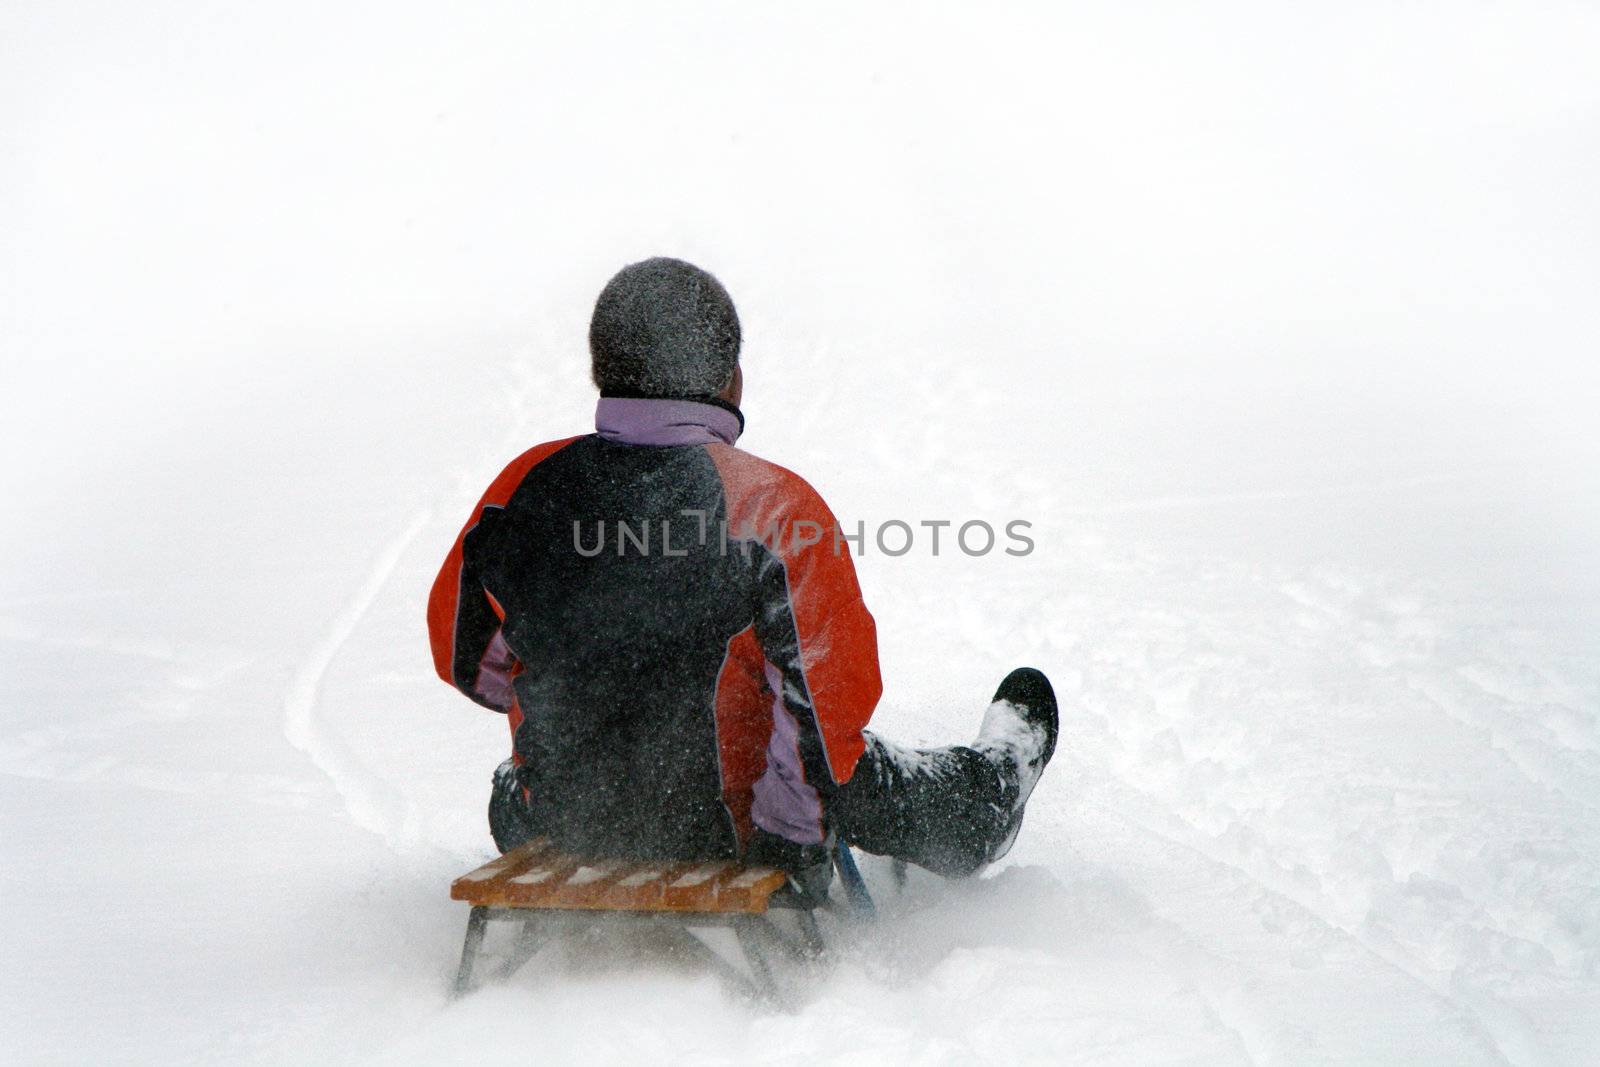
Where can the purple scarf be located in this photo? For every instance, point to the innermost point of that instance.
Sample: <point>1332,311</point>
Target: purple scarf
<point>659,421</point>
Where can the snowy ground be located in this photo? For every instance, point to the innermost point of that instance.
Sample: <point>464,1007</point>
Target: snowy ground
<point>1280,332</point>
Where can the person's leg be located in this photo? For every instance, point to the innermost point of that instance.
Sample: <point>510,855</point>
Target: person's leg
<point>954,809</point>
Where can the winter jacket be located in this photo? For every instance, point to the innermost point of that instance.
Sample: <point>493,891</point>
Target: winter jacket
<point>672,627</point>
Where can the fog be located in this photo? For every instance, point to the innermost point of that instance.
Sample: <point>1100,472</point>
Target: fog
<point>1378,221</point>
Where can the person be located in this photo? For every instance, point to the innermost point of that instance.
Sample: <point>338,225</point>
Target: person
<point>673,629</point>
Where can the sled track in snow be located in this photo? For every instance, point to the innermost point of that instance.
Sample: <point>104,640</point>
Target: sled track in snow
<point>373,802</point>
<point>372,806</point>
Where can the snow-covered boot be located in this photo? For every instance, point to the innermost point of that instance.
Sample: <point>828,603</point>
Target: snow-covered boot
<point>1019,736</point>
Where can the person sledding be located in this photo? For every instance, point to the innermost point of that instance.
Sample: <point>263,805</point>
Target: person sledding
<point>674,630</point>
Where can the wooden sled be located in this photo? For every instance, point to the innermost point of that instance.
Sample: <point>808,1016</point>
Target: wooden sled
<point>547,891</point>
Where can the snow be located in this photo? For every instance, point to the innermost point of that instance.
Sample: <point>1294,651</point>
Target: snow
<point>1278,326</point>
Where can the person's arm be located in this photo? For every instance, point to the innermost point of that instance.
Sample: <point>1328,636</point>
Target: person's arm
<point>469,650</point>
<point>814,630</point>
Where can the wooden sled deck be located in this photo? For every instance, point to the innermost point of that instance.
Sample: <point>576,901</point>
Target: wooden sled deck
<point>547,891</point>
<point>537,876</point>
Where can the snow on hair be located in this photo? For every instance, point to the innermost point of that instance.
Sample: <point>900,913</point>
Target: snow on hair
<point>663,327</point>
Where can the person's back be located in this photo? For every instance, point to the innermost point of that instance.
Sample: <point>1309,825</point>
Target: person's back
<point>675,629</point>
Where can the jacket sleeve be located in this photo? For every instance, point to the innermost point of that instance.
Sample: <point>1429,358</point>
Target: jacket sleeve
<point>464,621</point>
<point>813,627</point>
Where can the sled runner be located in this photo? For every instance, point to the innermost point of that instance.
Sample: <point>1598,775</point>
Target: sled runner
<point>546,891</point>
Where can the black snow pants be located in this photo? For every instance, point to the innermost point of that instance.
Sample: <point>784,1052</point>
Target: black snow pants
<point>948,810</point>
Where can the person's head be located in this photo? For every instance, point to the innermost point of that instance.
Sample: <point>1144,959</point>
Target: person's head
<point>666,328</point>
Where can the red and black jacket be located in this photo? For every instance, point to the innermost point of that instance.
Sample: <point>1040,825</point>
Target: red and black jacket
<point>673,628</point>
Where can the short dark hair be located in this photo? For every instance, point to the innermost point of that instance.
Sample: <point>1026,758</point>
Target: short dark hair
<point>663,327</point>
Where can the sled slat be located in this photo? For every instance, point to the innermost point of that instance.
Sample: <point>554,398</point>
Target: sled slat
<point>489,880</point>
<point>534,886</point>
<point>696,888</point>
<point>643,887</point>
<point>586,886</point>
<point>749,888</point>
